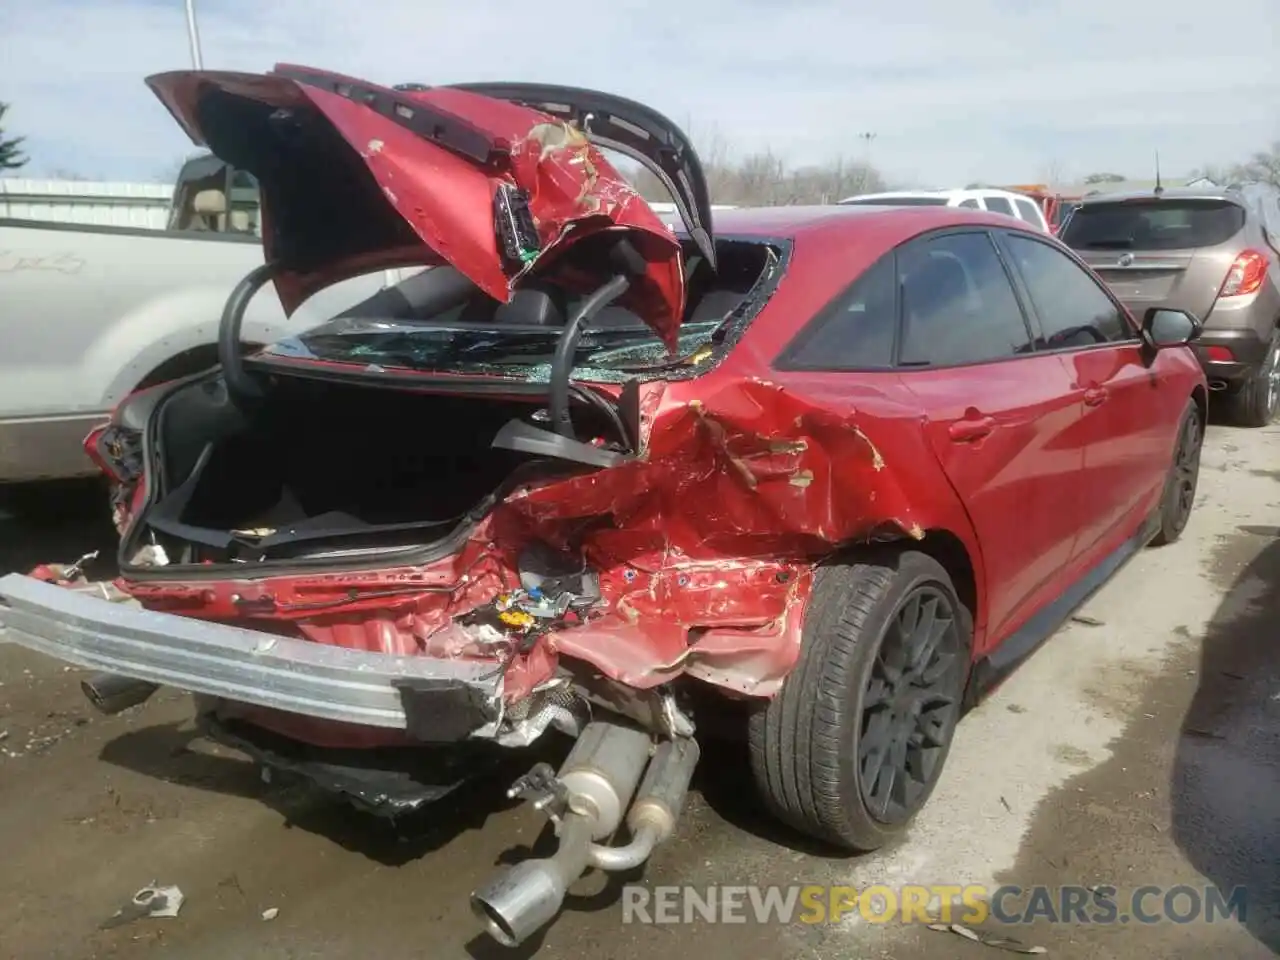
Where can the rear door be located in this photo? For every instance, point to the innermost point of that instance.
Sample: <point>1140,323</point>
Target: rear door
<point>1128,419</point>
<point>1154,251</point>
<point>1001,418</point>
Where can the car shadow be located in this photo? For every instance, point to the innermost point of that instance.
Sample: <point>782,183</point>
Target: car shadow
<point>178,753</point>
<point>726,784</point>
<point>1225,791</point>
<point>56,522</point>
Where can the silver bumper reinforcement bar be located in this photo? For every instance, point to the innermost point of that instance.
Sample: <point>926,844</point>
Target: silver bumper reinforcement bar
<point>297,676</point>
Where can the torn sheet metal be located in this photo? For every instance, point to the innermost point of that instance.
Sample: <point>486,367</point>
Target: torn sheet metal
<point>703,550</point>
<point>298,126</point>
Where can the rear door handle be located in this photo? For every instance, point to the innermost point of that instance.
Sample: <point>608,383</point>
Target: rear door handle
<point>1095,395</point>
<point>971,428</point>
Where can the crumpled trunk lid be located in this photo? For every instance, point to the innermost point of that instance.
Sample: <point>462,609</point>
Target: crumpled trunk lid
<point>356,177</point>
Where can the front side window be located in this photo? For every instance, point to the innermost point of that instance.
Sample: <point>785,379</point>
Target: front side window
<point>1074,310</point>
<point>958,306</point>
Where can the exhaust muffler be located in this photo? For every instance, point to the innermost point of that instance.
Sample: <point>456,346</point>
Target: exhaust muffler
<point>587,801</point>
<point>111,693</point>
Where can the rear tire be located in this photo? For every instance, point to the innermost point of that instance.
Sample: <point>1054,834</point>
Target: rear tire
<point>1254,403</point>
<point>853,744</point>
<point>1179,495</point>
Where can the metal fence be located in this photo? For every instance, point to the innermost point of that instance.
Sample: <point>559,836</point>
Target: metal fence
<point>140,205</point>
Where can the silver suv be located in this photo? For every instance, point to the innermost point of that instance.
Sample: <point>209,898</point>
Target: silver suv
<point>1212,251</point>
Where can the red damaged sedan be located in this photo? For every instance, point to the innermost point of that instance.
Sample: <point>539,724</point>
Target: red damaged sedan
<point>844,465</point>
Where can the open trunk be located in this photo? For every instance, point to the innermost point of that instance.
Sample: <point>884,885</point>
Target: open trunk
<point>343,464</point>
<point>326,469</point>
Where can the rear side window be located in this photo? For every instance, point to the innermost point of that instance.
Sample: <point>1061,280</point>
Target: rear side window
<point>856,331</point>
<point>1073,310</point>
<point>1153,224</point>
<point>998,205</point>
<point>1027,211</point>
<point>958,306</point>
<point>971,203</point>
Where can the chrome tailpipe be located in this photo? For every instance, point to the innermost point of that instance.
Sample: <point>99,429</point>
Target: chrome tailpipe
<point>111,693</point>
<point>587,801</point>
<point>519,902</point>
<point>1217,386</point>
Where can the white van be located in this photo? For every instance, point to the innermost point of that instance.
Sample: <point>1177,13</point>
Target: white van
<point>982,198</point>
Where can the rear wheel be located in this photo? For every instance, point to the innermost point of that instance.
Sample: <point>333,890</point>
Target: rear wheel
<point>1254,403</point>
<point>1184,473</point>
<point>852,746</point>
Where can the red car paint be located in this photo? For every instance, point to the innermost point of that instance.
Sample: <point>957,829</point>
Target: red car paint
<point>447,200</point>
<point>749,475</point>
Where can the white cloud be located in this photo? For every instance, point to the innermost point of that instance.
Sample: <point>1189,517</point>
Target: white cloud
<point>988,89</point>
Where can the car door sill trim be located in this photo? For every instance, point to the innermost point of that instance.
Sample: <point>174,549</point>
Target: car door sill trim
<point>996,666</point>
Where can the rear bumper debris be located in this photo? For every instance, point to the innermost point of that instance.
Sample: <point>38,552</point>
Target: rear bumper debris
<point>295,676</point>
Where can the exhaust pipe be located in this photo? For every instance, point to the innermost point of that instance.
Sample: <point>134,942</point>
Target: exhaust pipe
<point>111,693</point>
<point>520,902</point>
<point>1217,385</point>
<point>594,787</point>
<point>653,817</point>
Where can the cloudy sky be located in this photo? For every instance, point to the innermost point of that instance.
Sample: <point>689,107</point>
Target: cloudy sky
<point>996,90</point>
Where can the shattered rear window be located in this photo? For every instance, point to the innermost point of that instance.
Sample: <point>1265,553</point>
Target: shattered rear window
<point>615,346</point>
<point>459,348</point>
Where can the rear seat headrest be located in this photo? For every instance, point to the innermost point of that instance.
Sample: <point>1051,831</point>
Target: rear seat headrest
<point>209,203</point>
<point>532,305</point>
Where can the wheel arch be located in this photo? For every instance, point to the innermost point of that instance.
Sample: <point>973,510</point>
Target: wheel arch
<point>1200,394</point>
<point>184,363</point>
<point>949,550</point>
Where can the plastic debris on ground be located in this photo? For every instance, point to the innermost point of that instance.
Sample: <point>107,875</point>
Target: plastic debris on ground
<point>152,901</point>
<point>987,939</point>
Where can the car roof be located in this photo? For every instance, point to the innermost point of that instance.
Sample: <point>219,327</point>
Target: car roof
<point>1169,193</point>
<point>796,221</point>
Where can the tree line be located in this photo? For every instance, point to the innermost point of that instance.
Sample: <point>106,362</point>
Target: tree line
<point>11,155</point>
<point>1262,167</point>
<point>763,178</point>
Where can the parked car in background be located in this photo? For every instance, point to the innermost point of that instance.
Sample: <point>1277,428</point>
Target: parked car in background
<point>1044,197</point>
<point>1212,251</point>
<point>843,466</point>
<point>986,198</point>
<point>1062,213</point>
<point>91,313</point>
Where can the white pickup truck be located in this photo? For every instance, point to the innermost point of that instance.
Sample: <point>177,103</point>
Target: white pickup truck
<point>89,313</point>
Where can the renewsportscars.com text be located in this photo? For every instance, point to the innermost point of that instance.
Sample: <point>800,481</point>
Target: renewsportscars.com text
<point>937,903</point>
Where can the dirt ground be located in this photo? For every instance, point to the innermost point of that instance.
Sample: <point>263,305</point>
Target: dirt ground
<point>1141,745</point>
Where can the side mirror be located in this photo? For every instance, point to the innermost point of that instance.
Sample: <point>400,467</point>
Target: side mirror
<point>1164,327</point>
